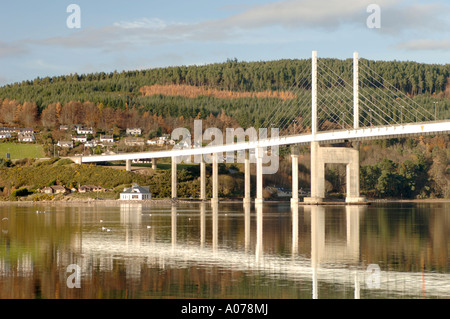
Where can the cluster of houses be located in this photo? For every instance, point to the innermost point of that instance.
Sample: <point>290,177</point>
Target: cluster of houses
<point>162,140</point>
<point>132,138</point>
<point>82,137</point>
<point>60,189</point>
<point>104,140</point>
<point>23,134</point>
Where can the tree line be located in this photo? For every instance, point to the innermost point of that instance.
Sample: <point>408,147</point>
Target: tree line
<point>409,77</point>
<point>105,118</point>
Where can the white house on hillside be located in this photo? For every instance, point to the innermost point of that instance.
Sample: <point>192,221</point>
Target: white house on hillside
<point>80,138</point>
<point>106,139</point>
<point>85,130</point>
<point>134,131</point>
<point>68,144</point>
<point>26,137</point>
<point>134,141</point>
<point>136,192</point>
<point>5,135</point>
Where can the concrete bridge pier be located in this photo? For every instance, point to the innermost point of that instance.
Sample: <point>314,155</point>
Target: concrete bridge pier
<point>317,176</point>
<point>353,186</point>
<point>153,163</point>
<point>259,200</point>
<point>215,179</point>
<point>174,177</point>
<point>202,179</point>
<point>337,155</point>
<point>128,165</point>
<point>294,157</point>
<point>247,198</point>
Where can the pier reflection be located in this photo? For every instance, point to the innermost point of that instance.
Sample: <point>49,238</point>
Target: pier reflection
<point>259,251</point>
<point>295,221</point>
<point>202,224</point>
<point>174,225</point>
<point>247,224</point>
<point>215,225</point>
<point>335,251</point>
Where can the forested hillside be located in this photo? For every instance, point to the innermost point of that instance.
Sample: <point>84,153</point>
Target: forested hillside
<point>129,98</point>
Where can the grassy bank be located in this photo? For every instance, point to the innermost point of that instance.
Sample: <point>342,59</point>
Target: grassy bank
<point>25,180</point>
<point>19,151</point>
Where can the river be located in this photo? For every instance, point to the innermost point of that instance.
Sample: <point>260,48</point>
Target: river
<point>199,250</point>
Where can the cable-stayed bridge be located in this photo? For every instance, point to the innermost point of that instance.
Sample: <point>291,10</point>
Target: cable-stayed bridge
<point>323,108</point>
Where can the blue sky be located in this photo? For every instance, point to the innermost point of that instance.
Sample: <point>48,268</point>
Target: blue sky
<point>137,34</point>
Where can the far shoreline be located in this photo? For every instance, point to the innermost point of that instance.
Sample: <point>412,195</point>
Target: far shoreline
<point>167,201</point>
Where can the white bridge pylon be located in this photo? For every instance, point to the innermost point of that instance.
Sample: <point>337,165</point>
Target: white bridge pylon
<point>315,138</point>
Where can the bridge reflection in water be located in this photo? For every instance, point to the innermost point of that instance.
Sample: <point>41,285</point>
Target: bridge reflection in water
<point>331,262</point>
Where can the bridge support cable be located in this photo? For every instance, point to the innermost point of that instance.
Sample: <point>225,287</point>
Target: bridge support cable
<point>376,99</point>
<point>411,107</point>
<point>286,110</point>
<point>331,116</point>
<point>314,94</point>
<point>336,100</point>
<point>298,120</point>
<point>377,113</point>
<point>332,108</point>
<point>291,111</point>
<point>297,85</point>
<point>400,95</point>
<point>369,104</point>
<point>371,112</point>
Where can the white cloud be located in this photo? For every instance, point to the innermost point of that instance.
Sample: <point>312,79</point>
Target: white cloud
<point>11,49</point>
<point>303,13</point>
<point>425,44</point>
<point>416,18</point>
<point>123,35</point>
<point>153,23</point>
<point>397,16</point>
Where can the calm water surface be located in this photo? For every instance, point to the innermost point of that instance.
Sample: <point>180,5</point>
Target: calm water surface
<point>227,251</point>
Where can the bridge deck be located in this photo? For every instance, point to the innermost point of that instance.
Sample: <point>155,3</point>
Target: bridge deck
<point>361,134</point>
